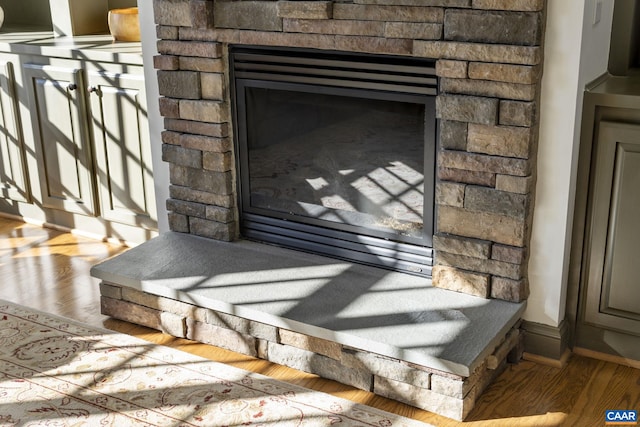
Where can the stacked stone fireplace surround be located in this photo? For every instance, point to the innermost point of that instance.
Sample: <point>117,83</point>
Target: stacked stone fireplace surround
<point>488,60</point>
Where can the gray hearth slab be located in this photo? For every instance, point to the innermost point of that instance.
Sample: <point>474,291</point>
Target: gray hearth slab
<point>380,311</point>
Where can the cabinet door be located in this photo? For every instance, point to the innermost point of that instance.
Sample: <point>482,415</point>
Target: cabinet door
<point>122,148</point>
<point>613,284</point>
<point>13,179</point>
<point>61,132</point>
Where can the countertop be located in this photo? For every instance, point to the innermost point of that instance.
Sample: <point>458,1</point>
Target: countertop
<point>100,47</point>
<point>622,91</point>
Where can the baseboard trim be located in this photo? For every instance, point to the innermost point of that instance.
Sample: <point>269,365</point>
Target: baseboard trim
<point>607,357</point>
<point>554,363</point>
<point>546,342</point>
<point>74,231</point>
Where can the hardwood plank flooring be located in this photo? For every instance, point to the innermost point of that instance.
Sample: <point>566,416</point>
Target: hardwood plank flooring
<point>49,270</point>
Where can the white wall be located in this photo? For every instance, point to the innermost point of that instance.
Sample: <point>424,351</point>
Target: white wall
<point>160,168</point>
<point>576,52</point>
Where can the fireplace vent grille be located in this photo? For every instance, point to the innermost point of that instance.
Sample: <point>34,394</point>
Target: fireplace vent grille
<point>394,74</point>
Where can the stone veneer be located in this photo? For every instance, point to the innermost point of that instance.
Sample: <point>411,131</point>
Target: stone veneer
<point>489,56</point>
<point>436,391</point>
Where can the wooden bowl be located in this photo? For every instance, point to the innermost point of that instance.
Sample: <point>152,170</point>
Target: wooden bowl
<point>124,24</point>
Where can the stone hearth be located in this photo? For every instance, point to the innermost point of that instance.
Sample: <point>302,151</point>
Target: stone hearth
<point>374,329</point>
<point>488,61</point>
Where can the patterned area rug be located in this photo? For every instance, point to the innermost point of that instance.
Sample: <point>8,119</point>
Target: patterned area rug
<point>57,372</point>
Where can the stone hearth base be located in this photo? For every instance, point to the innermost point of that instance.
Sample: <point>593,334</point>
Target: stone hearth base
<point>389,333</point>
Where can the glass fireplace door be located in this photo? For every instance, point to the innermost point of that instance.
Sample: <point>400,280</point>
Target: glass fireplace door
<point>346,172</point>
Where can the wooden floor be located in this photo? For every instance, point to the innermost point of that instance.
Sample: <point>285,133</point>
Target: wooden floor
<point>49,270</point>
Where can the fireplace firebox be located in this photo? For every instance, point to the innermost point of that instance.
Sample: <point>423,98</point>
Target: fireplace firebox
<point>336,153</point>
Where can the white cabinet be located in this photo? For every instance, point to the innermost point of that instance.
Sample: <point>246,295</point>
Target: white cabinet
<point>74,140</point>
<point>61,132</point>
<point>13,178</point>
<point>122,148</point>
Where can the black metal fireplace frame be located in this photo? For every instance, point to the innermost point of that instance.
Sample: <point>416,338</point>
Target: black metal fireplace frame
<point>378,77</point>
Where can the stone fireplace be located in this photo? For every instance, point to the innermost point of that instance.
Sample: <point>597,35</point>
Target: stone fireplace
<point>435,347</point>
<point>488,59</point>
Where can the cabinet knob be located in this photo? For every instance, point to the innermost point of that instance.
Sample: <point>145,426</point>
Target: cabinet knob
<point>72,86</point>
<point>92,89</point>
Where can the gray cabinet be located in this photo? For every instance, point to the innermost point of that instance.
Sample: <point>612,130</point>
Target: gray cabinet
<point>122,147</point>
<point>61,132</point>
<point>13,178</point>
<point>603,300</point>
<point>613,277</point>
